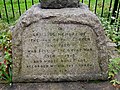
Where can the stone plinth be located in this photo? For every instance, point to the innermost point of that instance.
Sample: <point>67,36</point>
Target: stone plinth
<point>59,45</point>
<point>59,4</point>
<point>59,86</point>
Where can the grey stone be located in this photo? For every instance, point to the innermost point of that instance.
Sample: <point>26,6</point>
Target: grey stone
<point>59,3</point>
<point>113,52</point>
<point>117,77</point>
<point>3,81</point>
<point>1,55</point>
<point>59,45</point>
<point>59,86</point>
<point>1,59</point>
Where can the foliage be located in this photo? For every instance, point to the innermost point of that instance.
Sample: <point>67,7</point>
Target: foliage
<point>112,31</point>
<point>6,57</point>
<point>114,69</point>
<point>5,35</point>
<point>29,4</point>
<point>11,17</point>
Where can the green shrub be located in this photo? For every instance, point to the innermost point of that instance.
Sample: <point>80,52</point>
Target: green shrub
<point>111,31</point>
<point>114,34</point>
<point>114,69</point>
<point>5,47</point>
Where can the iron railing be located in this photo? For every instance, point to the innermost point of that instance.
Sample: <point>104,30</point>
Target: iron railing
<point>10,10</point>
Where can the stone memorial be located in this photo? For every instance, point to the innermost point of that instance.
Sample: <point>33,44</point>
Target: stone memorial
<point>59,3</point>
<point>66,44</point>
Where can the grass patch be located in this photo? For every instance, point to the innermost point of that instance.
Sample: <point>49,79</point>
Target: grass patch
<point>29,4</point>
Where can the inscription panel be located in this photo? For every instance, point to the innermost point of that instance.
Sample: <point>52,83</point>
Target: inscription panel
<point>63,49</point>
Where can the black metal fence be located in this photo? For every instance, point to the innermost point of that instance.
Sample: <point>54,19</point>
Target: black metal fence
<point>10,10</point>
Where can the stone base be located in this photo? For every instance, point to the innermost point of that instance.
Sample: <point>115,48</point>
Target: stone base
<point>60,86</point>
<point>77,33</point>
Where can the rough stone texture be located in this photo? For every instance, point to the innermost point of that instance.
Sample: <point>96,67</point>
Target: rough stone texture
<point>1,59</point>
<point>59,3</point>
<point>36,22</point>
<point>2,81</point>
<point>118,77</point>
<point>1,54</point>
<point>59,86</point>
<point>113,52</point>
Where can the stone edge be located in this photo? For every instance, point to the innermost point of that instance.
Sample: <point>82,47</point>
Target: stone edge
<point>22,24</point>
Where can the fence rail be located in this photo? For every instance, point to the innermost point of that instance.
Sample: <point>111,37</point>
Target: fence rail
<point>10,10</point>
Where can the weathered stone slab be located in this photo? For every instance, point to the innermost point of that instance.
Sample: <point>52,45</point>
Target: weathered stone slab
<point>59,86</point>
<point>59,45</point>
<point>59,3</point>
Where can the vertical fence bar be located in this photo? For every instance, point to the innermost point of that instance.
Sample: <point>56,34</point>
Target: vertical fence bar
<point>96,6</point>
<point>115,6</point>
<point>19,7</point>
<point>0,15</point>
<point>118,29</point>
<point>118,10</point>
<point>26,4</point>
<point>110,8</point>
<point>89,4</point>
<point>82,1</point>
<point>32,2</point>
<point>12,8</point>
<point>118,21</point>
<point>6,11</point>
<point>102,7</point>
<point>114,10</point>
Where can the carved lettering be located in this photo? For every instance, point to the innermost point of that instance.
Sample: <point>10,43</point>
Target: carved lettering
<point>60,50</point>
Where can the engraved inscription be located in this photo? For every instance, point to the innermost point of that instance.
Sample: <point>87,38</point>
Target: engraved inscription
<point>59,50</point>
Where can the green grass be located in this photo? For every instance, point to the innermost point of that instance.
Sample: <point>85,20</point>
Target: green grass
<point>16,9</point>
<point>29,4</point>
<point>99,3</point>
<point>99,6</point>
